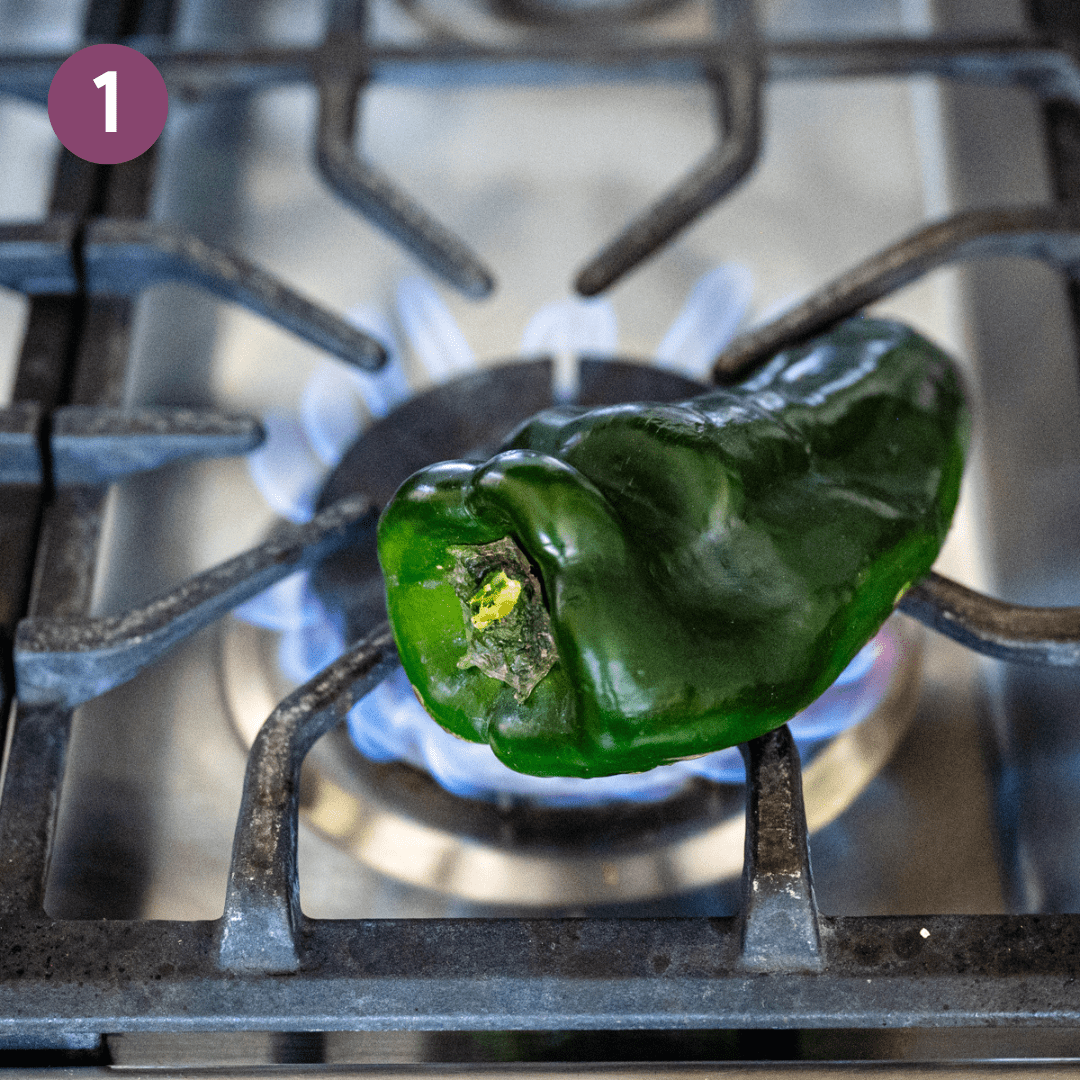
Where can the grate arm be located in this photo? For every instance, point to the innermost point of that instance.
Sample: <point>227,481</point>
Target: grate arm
<point>376,197</point>
<point>1027,635</point>
<point>20,452</point>
<point>123,257</point>
<point>71,660</point>
<point>95,445</point>
<point>1051,72</point>
<point>36,257</point>
<point>1050,234</point>
<point>779,921</point>
<point>258,932</point>
<point>723,170</point>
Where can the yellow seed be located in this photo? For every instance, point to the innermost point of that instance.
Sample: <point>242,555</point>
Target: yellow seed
<point>495,600</point>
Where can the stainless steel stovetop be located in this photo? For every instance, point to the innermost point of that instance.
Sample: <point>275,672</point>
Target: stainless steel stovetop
<point>966,817</point>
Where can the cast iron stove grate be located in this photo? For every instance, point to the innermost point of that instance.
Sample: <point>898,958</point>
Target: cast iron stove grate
<point>264,965</point>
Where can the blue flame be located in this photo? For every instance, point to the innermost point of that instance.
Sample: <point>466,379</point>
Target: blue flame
<point>389,724</point>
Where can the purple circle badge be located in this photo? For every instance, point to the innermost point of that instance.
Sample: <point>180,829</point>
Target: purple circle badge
<point>108,104</point>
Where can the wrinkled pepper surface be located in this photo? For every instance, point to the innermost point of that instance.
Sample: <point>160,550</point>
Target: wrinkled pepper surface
<point>627,586</point>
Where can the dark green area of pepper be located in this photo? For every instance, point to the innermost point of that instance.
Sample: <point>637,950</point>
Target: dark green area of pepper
<point>701,571</point>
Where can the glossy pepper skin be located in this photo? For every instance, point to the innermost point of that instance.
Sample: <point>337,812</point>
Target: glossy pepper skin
<point>627,586</point>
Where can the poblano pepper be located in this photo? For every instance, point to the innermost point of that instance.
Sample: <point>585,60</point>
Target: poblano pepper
<point>627,586</point>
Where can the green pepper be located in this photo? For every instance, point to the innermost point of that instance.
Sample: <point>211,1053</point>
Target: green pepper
<point>627,586</point>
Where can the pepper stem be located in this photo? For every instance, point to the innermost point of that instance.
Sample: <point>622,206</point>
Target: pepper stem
<point>495,600</point>
<point>508,629</point>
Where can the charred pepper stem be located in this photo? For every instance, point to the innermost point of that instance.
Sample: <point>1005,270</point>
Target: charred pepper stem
<point>627,586</point>
<point>507,628</point>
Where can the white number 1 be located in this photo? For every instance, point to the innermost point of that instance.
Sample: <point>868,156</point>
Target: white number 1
<point>108,80</point>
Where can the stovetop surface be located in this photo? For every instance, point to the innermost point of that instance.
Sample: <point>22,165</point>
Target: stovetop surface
<point>840,176</point>
<point>538,179</point>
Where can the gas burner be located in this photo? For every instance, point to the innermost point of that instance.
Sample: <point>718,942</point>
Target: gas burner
<point>396,820</point>
<point>543,144</point>
<point>514,845</point>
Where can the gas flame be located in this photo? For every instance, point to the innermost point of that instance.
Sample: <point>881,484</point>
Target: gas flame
<point>292,465</point>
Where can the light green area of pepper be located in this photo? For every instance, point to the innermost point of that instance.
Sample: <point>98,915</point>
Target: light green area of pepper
<point>701,571</point>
